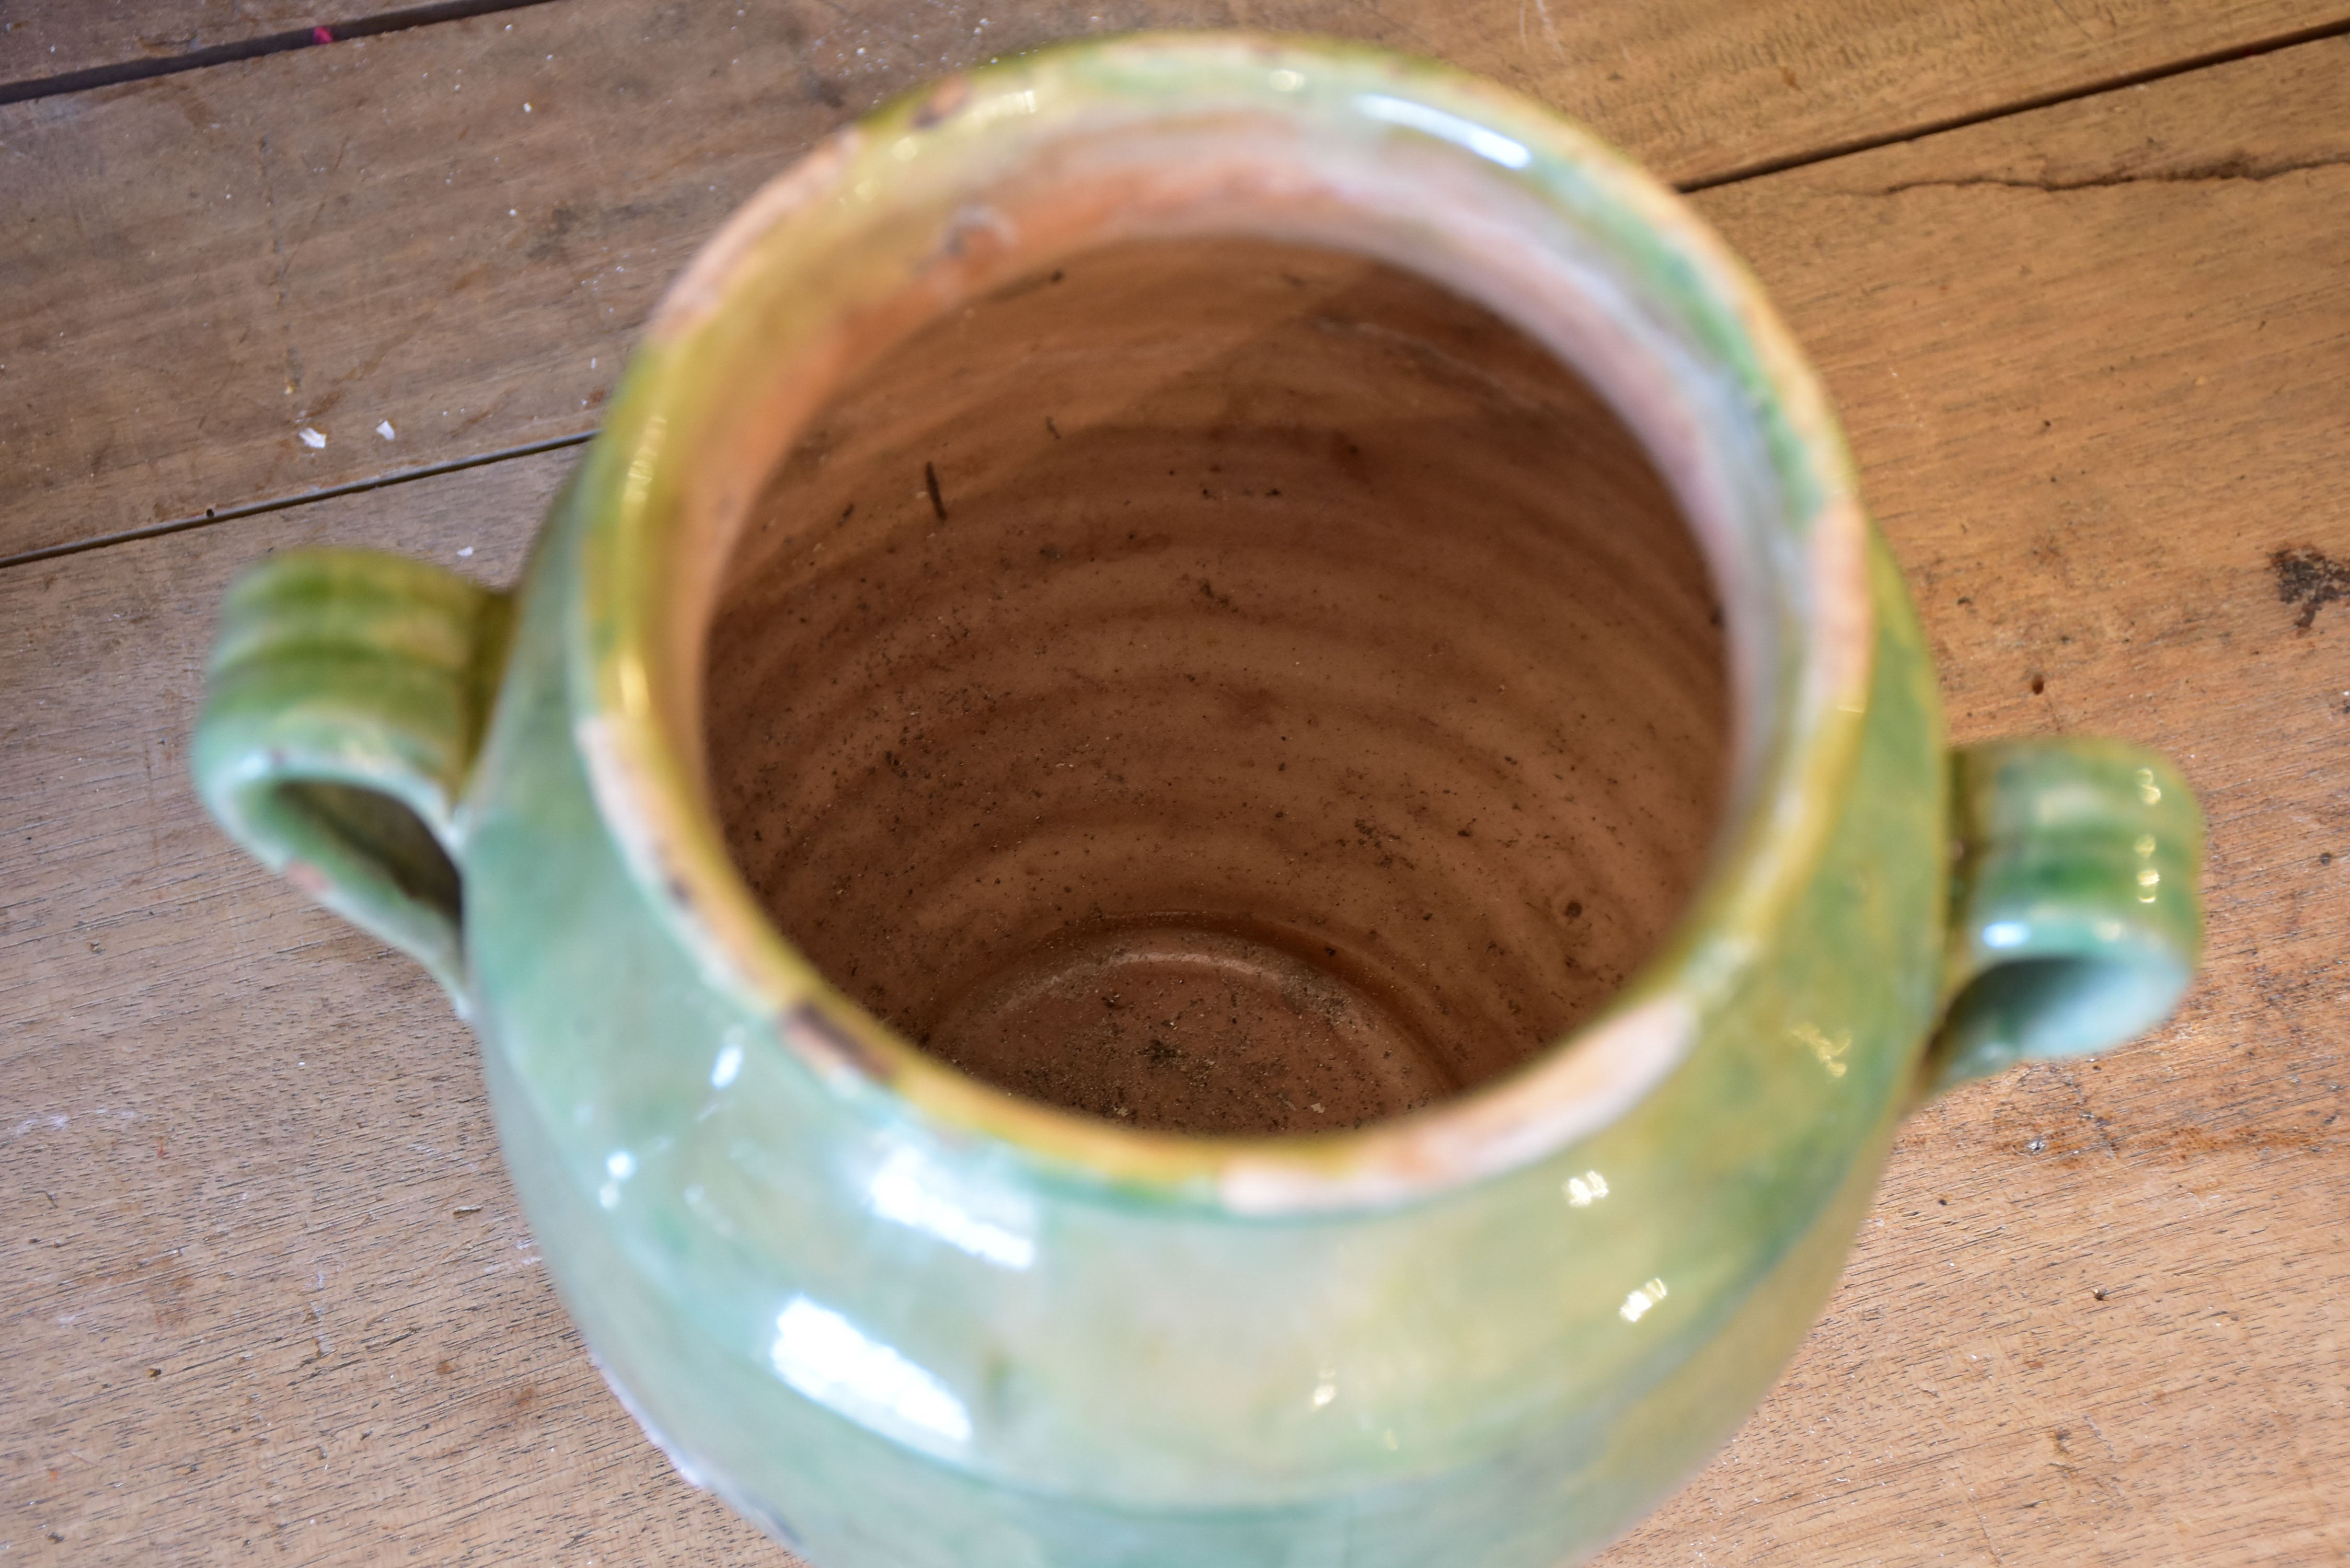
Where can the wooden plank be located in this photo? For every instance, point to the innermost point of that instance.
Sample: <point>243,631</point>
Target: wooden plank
<point>2156,275</point>
<point>454,230</point>
<point>40,41</point>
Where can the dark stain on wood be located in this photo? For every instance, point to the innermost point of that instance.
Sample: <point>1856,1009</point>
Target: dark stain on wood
<point>2310,578</point>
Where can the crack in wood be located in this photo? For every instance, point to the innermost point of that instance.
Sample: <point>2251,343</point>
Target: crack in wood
<point>2221,171</point>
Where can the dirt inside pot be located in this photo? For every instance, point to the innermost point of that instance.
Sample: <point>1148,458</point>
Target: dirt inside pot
<point>1220,686</point>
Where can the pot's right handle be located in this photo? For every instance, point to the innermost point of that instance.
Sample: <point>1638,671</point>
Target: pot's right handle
<point>2075,922</point>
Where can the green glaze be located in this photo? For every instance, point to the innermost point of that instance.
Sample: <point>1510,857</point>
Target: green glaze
<point>344,701</point>
<point>904,1321</point>
<point>2076,919</point>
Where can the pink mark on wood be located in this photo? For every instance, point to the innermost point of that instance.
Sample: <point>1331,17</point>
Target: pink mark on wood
<point>322,35</point>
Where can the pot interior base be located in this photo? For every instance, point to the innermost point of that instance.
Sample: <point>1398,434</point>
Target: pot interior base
<point>1171,1025</point>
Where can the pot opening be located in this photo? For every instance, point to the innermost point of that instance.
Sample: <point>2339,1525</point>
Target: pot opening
<point>1222,686</point>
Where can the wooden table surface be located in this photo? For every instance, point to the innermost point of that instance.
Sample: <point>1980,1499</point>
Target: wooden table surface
<point>2077,272</point>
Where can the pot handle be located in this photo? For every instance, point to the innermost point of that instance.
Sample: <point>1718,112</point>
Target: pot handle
<point>344,699</point>
<point>2074,921</point>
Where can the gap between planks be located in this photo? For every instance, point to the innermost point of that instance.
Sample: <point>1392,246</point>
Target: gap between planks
<point>2340,27</point>
<point>114,73</point>
<point>212,515</point>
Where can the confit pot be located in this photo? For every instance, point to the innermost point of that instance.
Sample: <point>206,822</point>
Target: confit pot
<point>906,1313</point>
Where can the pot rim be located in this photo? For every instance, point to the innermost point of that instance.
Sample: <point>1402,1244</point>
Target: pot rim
<point>945,194</point>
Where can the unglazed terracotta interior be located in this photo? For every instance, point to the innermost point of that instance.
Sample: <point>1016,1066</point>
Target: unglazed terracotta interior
<point>1220,686</point>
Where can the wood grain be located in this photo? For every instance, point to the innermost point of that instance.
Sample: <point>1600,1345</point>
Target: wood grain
<point>2093,362</point>
<point>455,231</point>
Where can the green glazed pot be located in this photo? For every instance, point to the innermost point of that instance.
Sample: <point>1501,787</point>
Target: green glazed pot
<point>904,1320</point>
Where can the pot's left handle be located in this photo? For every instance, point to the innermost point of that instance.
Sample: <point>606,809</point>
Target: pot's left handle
<point>346,694</point>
